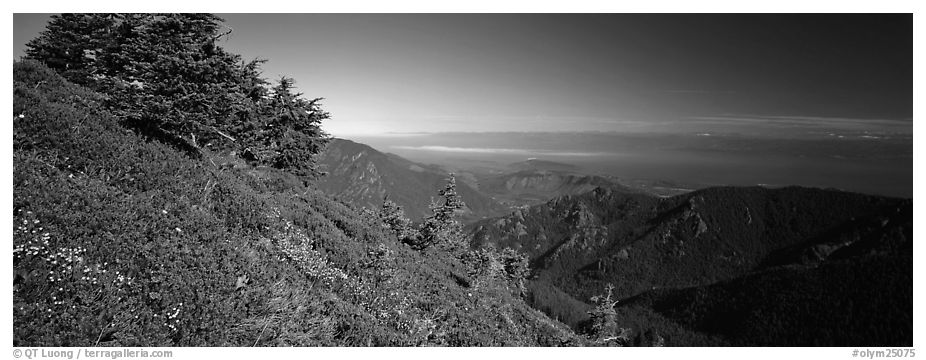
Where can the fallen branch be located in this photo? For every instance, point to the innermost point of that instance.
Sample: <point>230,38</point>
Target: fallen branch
<point>224,134</point>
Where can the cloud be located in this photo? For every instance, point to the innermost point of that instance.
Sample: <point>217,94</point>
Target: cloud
<point>463,149</point>
<point>695,91</point>
<point>481,150</point>
<point>799,124</point>
<point>804,121</point>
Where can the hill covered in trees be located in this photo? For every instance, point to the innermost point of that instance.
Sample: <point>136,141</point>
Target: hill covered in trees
<point>740,266</point>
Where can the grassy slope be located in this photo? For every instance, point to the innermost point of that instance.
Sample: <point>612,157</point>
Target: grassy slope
<point>120,241</point>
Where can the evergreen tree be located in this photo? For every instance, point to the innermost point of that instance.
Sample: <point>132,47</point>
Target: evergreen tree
<point>486,264</point>
<point>604,328</point>
<point>394,220</point>
<point>483,266</point>
<point>441,228</point>
<point>517,266</point>
<point>291,134</point>
<point>165,77</point>
<point>70,44</point>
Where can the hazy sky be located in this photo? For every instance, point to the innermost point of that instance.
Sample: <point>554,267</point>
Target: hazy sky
<point>583,72</point>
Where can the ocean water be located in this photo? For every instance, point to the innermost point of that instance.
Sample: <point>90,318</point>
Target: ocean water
<point>874,164</point>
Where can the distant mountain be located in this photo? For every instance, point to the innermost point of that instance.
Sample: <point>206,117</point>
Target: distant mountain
<point>642,243</point>
<point>658,187</point>
<point>538,185</point>
<point>363,176</point>
<point>535,181</point>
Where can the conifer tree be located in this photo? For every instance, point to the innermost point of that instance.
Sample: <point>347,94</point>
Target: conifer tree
<point>516,265</point>
<point>291,134</point>
<point>394,220</point>
<point>165,77</point>
<point>604,327</point>
<point>441,228</point>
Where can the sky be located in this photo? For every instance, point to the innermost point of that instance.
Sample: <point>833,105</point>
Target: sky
<point>383,74</point>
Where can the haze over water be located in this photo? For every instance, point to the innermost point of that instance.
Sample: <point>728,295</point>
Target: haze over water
<point>861,164</point>
<point>821,100</point>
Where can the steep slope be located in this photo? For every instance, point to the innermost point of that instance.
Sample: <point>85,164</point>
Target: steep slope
<point>850,286</point>
<point>586,221</point>
<point>363,176</point>
<point>638,243</point>
<point>863,301</point>
<point>122,241</point>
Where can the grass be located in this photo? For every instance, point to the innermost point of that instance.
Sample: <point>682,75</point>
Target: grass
<point>148,247</point>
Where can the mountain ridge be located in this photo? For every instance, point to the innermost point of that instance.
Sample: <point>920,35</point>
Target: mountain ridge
<point>364,176</point>
<point>640,243</point>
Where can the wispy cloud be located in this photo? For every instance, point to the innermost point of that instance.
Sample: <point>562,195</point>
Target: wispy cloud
<point>800,124</point>
<point>695,91</point>
<point>482,150</point>
<point>804,120</point>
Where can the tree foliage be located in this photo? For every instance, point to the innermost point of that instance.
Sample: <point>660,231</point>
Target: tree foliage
<point>165,77</point>
<point>441,228</point>
<point>604,329</point>
<point>292,131</point>
<point>486,265</point>
<point>394,220</point>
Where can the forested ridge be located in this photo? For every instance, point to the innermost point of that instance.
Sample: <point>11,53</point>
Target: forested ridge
<point>165,193</point>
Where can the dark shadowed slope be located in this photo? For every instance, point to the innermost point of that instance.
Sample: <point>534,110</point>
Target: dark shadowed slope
<point>639,243</point>
<point>851,286</point>
<point>361,175</point>
<point>862,301</point>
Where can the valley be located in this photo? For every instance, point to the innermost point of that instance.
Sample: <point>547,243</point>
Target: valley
<point>675,257</point>
<point>462,180</point>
